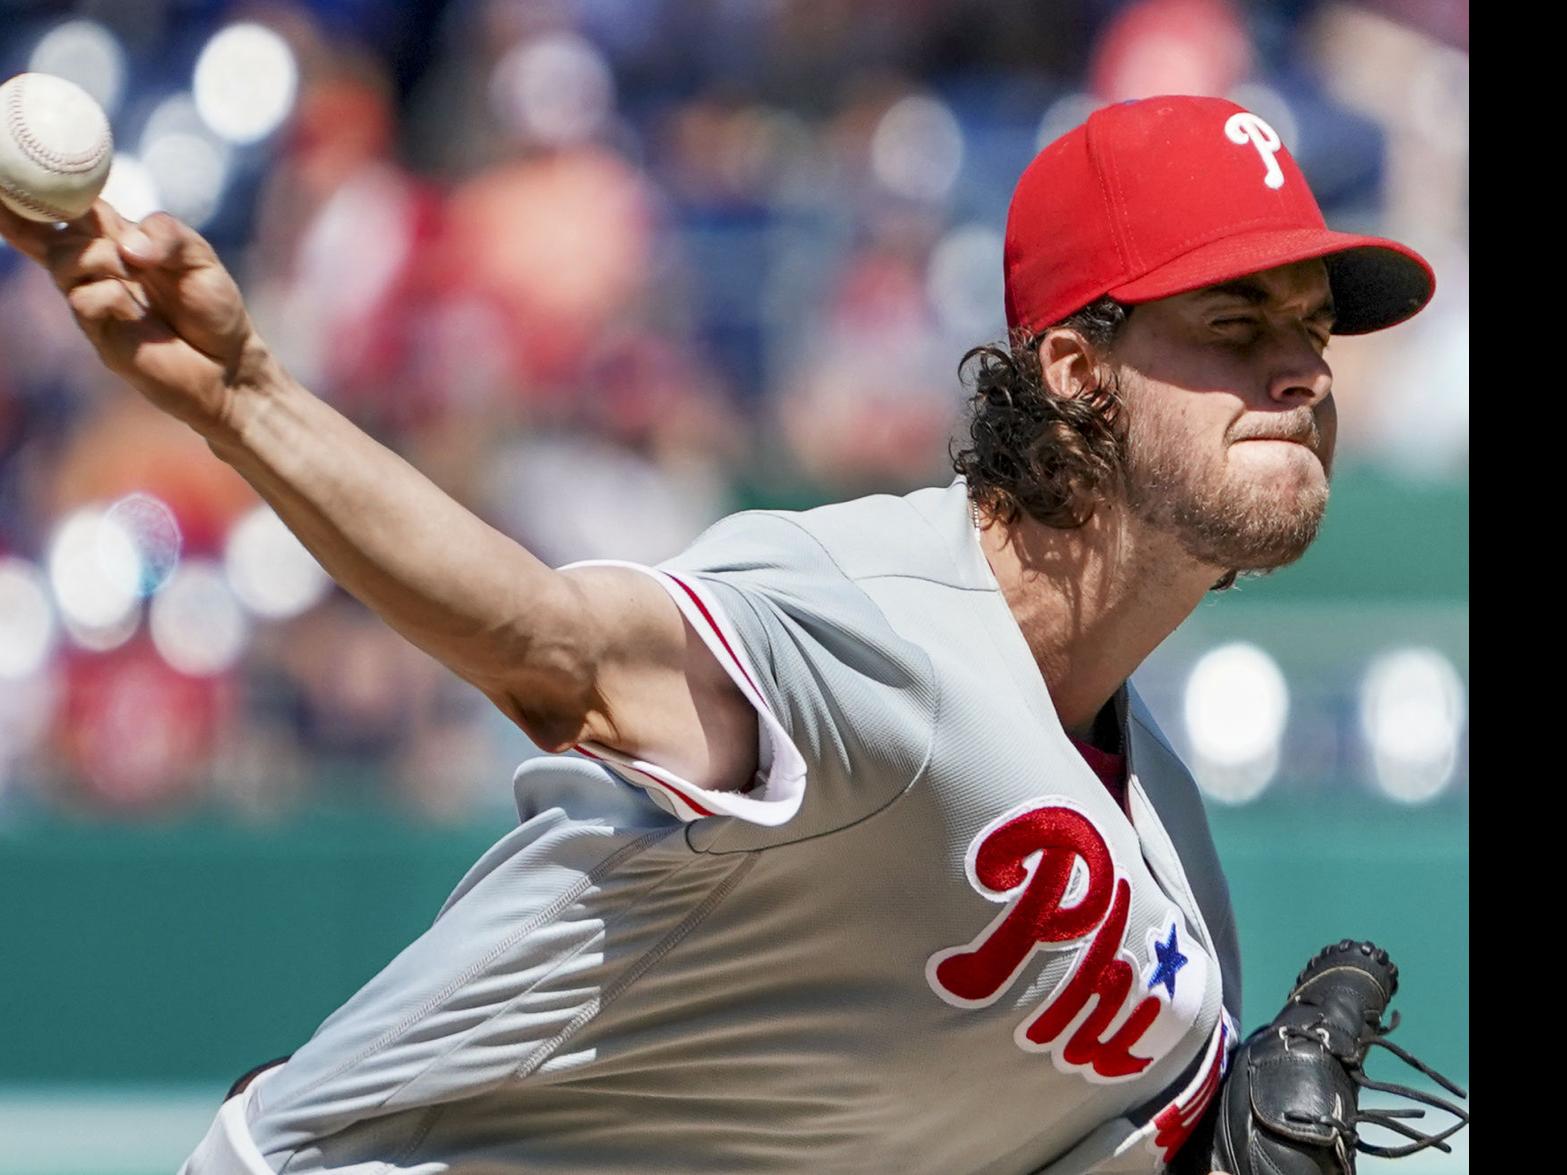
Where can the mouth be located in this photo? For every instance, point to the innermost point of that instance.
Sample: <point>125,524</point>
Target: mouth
<point>1302,442</point>
<point>1296,427</point>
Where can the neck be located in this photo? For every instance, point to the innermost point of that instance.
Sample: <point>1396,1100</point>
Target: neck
<point>1092,602</point>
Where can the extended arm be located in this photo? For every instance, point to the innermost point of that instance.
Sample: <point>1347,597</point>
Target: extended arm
<point>597,654</point>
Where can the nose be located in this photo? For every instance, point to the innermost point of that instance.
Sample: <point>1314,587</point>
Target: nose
<point>1301,374</point>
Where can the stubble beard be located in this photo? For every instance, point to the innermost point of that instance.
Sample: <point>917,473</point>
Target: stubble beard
<point>1216,515</point>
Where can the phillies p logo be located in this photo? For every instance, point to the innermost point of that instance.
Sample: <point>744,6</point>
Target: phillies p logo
<point>1054,872</point>
<point>1246,127</point>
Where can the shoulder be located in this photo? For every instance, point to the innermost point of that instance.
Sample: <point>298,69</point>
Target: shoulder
<point>878,535</point>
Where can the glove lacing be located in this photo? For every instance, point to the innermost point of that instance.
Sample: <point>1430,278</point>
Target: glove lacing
<point>1346,1133</point>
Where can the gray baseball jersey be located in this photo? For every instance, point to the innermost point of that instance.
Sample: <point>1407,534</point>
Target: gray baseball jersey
<point>925,939</point>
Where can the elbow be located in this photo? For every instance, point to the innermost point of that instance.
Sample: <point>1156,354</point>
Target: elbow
<point>546,687</point>
<point>548,727</point>
<point>556,731</point>
<point>552,738</point>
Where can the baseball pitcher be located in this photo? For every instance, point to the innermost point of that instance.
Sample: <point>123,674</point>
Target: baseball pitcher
<point>860,853</point>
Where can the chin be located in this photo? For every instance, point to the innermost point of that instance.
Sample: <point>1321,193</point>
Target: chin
<point>1254,527</point>
<point>1281,468</point>
<point>1278,537</point>
<point>1280,455</point>
<point>1259,562</point>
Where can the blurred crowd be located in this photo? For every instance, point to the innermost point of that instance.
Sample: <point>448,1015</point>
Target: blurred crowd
<point>605,270</point>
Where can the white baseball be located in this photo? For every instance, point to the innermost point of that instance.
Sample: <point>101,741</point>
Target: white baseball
<point>55,147</point>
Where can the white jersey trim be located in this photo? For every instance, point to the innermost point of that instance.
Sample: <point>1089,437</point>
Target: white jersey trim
<point>1165,860</point>
<point>780,767</point>
<point>227,1148</point>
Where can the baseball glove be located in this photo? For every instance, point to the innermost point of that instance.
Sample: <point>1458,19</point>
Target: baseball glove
<point>1290,1105</point>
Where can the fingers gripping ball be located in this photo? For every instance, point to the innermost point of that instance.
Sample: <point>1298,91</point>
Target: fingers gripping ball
<point>55,147</point>
<point>1291,1104</point>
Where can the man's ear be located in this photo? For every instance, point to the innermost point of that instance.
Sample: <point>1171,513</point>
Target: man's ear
<point>1067,363</point>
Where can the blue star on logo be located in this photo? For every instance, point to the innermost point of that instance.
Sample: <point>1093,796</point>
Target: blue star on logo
<point>1170,961</point>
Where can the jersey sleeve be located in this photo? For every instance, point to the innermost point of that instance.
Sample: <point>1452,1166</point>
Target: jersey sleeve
<point>845,705</point>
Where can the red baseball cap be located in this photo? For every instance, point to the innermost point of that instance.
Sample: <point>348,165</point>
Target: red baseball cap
<point>1157,197</point>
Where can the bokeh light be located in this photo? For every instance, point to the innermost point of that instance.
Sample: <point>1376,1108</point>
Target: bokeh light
<point>95,575</point>
<point>190,172</point>
<point>964,282</point>
<point>130,189</point>
<point>246,82</point>
<point>153,531</point>
<point>1412,715</point>
<point>188,164</point>
<point>555,89</point>
<point>87,53</point>
<point>269,569</point>
<point>1236,707</point>
<point>917,148</point>
<point>197,625</point>
<point>27,624</point>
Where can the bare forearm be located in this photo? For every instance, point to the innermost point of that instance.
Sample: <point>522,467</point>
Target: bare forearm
<point>439,575</point>
<point>600,654</point>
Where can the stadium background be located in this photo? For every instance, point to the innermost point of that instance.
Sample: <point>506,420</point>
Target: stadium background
<point>607,270</point>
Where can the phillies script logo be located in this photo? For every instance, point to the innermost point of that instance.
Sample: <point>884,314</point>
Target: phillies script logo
<point>1052,868</point>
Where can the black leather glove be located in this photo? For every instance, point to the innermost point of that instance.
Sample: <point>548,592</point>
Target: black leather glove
<point>1290,1105</point>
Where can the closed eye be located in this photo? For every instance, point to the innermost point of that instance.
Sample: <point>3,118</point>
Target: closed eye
<point>1321,328</point>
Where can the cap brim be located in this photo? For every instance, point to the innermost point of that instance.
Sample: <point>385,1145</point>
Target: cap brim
<point>1376,283</point>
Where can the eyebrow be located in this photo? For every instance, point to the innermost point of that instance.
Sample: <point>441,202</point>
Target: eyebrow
<point>1254,293</point>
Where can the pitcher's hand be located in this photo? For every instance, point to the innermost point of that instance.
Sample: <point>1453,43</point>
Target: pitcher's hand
<point>158,306</point>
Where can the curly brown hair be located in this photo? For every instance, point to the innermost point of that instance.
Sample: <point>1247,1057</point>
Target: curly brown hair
<point>1031,451</point>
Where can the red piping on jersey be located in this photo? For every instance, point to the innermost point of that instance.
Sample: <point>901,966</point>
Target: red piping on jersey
<point>708,616</point>
<point>740,665</point>
<point>652,779</point>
